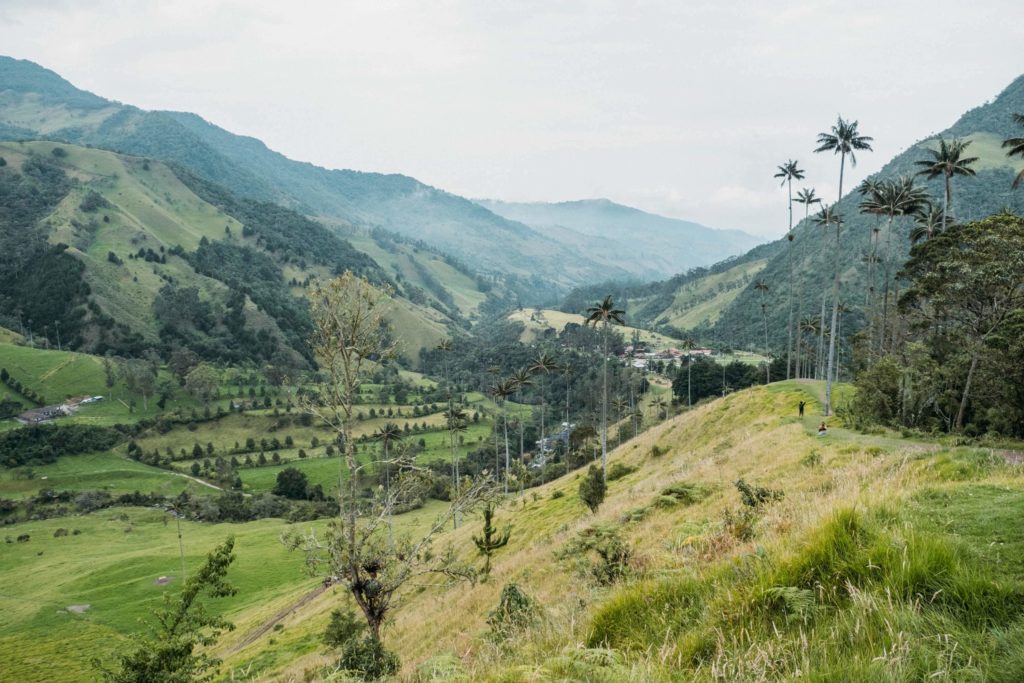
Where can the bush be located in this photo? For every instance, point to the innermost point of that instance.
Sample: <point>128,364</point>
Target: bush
<point>515,611</point>
<point>600,553</point>
<point>368,658</point>
<point>555,495</point>
<point>682,493</point>
<point>343,626</point>
<point>757,496</point>
<point>593,488</point>
<point>619,470</point>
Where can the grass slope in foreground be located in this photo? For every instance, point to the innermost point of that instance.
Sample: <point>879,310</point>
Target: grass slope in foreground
<point>887,559</point>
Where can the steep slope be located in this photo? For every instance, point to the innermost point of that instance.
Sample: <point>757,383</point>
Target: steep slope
<point>35,102</point>
<point>106,252</point>
<point>647,245</point>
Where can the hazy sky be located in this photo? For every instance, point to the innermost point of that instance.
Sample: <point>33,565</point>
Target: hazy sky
<point>682,108</point>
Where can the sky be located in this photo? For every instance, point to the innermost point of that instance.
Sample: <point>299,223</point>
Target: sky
<point>682,108</point>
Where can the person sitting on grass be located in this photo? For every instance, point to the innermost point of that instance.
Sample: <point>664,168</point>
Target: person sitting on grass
<point>822,429</point>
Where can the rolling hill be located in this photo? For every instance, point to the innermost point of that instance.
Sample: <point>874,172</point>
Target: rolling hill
<point>649,246</point>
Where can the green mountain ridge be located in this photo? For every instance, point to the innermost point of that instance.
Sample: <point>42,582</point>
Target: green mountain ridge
<point>736,320</point>
<point>125,254</point>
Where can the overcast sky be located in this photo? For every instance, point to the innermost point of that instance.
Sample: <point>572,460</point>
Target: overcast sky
<point>682,108</point>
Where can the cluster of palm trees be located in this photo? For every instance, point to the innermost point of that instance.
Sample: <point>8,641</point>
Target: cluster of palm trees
<point>543,364</point>
<point>891,199</point>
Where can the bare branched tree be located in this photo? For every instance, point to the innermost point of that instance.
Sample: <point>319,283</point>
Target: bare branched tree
<point>359,549</point>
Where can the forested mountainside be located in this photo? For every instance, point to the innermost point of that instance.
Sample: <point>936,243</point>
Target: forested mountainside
<point>722,303</point>
<point>109,253</point>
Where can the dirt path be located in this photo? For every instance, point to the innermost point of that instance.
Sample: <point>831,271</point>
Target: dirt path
<point>197,480</point>
<point>255,635</point>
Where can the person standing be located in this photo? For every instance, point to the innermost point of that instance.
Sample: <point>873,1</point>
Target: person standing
<point>801,407</point>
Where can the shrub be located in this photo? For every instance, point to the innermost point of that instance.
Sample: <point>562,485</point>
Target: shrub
<point>756,496</point>
<point>812,459</point>
<point>619,470</point>
<point>368,658</point>
<point>593,488</point>
<point>555,495</point>
<point>515,611</point>
<point>342,627</point>
<point>600,553</point>
<point>682,493</point>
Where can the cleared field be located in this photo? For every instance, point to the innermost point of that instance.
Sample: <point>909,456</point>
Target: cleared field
<point>97,471</point>
<point>557,320</point>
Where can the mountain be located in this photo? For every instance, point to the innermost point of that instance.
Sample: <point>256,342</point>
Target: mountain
<point>649,246</point>
<point>37,103</point>
<point>104,252</point>
<point>722,304</point>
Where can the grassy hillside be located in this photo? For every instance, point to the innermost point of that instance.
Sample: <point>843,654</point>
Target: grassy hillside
<point>138,230</point>
<point>872,530</point>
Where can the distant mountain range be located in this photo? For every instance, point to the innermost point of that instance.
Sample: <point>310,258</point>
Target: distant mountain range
<point>535,261</point>
<point>645,244</point>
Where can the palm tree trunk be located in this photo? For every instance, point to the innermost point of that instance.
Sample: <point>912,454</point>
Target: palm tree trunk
<point>820,354</point>
<point>504,404</point>
<point>835,319</point>
<point>885,290</point>
<point>947,177</point>
<point>604,409</point>
<point>689,381</point>
<point>789,326</point>
<point>967,392</point>
<point>767,353</point>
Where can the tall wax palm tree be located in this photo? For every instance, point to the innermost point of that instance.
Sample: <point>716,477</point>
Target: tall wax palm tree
<point>868,189</point>
<point>762,287</point>
<point>387,434</point>
<point>543,364</point>
<point>828,216</point>
<point>605,314</point>
<point>1016,146</point>
<point>501,391</point>
<point>927,223</point>
<point>522,379</point>
<point>947,161</point>
<point>789,172</point>
<point>893,199</point>
<point>807,197</point>
<point>688,345</point>
<point>844,140</point>
<point>810,325</point>
<point>619,406</point>
<point>458,424</point>
<point>660,405</point>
